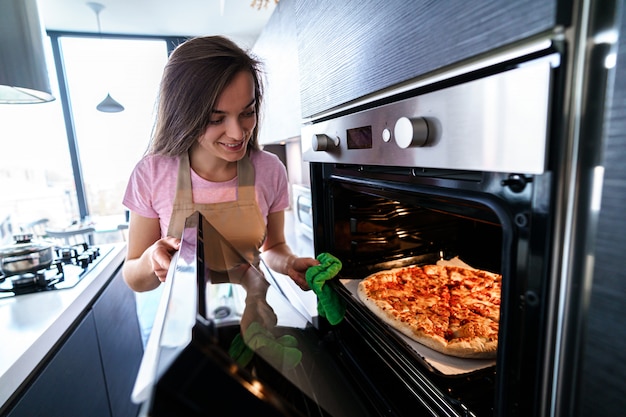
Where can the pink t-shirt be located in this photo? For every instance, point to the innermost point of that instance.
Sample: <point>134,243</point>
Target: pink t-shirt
<point>152,187</point>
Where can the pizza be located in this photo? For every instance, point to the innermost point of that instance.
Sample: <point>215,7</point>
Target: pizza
<point>450,309</point>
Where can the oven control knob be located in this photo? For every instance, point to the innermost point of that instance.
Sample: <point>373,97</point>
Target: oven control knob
<point>323,142</point>
<point>411,132</point>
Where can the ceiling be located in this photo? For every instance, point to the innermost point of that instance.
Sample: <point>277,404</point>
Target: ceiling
<point>237,20</point>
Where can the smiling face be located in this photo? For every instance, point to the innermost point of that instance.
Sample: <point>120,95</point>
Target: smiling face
<point>231,122</point>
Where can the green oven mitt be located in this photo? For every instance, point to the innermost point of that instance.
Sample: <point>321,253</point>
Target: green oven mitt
<point>329,304</point>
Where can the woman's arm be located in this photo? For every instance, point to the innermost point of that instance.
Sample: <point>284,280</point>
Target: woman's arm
<point>278,255</point>
<point>148,256</point>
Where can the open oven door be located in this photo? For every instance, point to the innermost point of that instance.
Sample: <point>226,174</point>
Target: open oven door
<point>227,342</point>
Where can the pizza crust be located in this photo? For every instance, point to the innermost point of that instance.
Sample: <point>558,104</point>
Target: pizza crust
<point>416,301</point>
<point>477,348</point>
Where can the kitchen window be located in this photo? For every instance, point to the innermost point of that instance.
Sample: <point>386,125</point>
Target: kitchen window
<point>66,161</point>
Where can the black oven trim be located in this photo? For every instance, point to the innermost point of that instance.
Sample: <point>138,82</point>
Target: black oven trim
<point>518,211</point>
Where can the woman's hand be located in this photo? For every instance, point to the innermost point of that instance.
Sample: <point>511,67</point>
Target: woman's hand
<point>296,269</point>
<point>148,255</point>
<point>161,253</point>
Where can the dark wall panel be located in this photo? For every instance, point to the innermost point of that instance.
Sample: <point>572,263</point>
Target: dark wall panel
<point>348,49</point>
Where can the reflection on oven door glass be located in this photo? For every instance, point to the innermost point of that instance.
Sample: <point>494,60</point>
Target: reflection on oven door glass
<point>258,328</point>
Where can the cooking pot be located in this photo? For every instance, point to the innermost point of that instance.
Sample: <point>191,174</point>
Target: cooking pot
<point>25,255</point>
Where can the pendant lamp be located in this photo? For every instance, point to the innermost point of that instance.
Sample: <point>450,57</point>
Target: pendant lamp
<point>23,71</point>
<point>109,104</point>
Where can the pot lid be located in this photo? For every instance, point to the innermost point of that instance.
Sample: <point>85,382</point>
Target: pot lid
<point>23,244</point>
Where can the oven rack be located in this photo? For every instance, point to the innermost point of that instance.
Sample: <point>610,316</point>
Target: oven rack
<point>464,394</point>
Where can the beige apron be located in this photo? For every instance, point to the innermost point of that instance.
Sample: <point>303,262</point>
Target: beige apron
<point>240,222</point>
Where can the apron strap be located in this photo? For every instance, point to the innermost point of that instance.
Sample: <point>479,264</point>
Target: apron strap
<point>184,193</point>
<point>245,179</point>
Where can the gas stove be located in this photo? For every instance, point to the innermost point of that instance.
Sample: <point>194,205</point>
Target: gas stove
<point>70,265</point>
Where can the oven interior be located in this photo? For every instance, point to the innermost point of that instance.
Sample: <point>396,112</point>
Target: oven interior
<point>380,219</point>
<point>374,231</point>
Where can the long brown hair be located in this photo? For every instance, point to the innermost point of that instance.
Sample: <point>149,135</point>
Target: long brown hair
<point>197,72</point>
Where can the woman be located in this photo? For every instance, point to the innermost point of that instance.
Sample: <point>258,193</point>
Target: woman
<point>204,156</point>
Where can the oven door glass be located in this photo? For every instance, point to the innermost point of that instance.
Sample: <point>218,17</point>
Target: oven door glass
<point>230,343</point>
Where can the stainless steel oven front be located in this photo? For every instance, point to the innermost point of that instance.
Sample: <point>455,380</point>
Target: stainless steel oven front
<point>460,168</point>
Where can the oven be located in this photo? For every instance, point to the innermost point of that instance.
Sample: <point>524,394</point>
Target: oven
<point>457,170</point>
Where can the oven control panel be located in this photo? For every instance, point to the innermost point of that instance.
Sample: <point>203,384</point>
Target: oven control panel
<point>498,123</point>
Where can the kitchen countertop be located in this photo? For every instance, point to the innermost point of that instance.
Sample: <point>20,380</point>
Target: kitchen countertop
<point>32,324</point>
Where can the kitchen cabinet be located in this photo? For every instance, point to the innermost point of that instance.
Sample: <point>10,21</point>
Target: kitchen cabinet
<point>120,344</point>
<point>350,49</point>
<point>276,47</point>
<point>93,371</point>
<point>72,383</point>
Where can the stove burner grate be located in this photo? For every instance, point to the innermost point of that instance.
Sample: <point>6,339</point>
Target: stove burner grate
<point>69,266</point>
